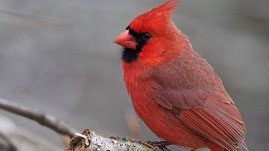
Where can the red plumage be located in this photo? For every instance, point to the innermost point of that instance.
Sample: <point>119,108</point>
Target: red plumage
<point>173,89</point>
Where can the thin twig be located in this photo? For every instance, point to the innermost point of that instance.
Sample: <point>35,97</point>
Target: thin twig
<point>41,118</point>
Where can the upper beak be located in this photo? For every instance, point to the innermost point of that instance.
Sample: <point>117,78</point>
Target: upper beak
<point>126,40</point>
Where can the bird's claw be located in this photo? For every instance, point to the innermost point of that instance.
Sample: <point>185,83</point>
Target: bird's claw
<point>162,144</point>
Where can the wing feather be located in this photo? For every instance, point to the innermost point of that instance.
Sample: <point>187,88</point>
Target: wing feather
<point>214,125</point>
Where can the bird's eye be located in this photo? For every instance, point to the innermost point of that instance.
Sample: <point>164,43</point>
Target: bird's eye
<point>146,36</point>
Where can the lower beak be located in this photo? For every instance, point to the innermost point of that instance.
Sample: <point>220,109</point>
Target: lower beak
<point>126,40</point>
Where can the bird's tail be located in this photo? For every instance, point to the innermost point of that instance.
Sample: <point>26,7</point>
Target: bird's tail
<point>243,147</point>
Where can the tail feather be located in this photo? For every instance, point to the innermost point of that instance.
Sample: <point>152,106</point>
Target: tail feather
<point>243,147</point>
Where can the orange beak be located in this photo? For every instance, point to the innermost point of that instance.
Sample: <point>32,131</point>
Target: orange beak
<point>126,40</point>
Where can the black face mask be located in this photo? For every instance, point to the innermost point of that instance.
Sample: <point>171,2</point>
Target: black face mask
<point>129,55</point>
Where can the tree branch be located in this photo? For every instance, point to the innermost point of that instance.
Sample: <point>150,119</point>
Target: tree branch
<point>87,141</point>
<point>43,119</point>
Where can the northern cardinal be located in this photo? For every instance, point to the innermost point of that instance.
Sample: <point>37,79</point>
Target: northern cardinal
<point>173,89</point>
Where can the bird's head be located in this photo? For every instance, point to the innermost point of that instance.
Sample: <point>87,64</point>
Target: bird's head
<point>151,35</point>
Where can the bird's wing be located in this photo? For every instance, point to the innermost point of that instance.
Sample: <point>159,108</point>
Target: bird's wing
<point>206,115</point>
<point>207,112</point>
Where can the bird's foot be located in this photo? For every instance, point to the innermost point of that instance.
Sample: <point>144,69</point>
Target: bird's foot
<point>162,144</point>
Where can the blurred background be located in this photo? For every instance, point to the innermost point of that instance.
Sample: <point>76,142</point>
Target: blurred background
<point>57,56</point>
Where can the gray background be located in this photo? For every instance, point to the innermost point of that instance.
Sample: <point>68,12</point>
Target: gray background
<point>57,56</point>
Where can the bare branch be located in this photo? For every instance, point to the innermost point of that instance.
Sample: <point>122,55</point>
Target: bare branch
<point>41,118</point>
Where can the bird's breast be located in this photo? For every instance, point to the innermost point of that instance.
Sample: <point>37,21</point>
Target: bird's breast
<point>138,88</point>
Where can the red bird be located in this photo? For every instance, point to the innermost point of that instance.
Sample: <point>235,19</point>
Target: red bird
<point>173,89</point>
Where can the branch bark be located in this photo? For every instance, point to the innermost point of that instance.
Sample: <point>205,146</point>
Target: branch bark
<point>88,140</point>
